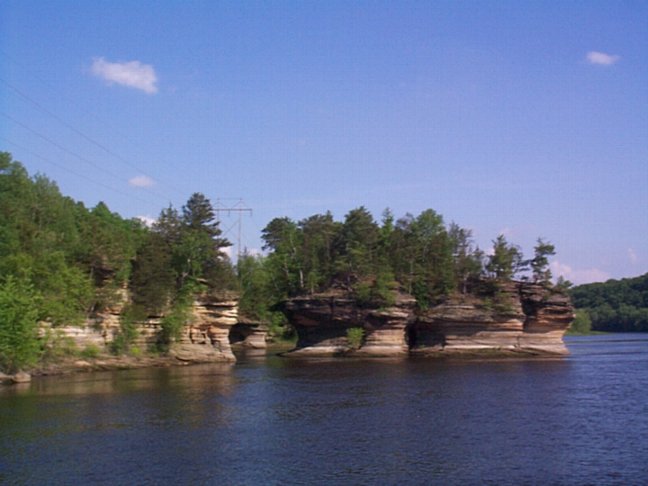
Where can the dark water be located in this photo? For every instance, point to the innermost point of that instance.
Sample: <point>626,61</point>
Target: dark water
<point>579,420</point>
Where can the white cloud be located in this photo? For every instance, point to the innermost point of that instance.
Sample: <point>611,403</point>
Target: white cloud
<point>132,74</point>
<point>578,276</point>
<point>632,255</point>
<point>147,220</point>
<point>141,181</point>
<point>601,58</point>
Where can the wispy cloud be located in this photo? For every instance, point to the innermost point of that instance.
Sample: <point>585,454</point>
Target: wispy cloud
<point>601,58</point>
<point>576,276</point>
<point>132,74</point>
<point>632,255</point>
<point>141,181</point>
<point>147,220</point>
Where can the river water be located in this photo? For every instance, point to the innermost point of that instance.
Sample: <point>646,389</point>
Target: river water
<point>269,420</point>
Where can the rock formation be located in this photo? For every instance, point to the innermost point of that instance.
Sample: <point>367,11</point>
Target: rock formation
<point>204,338</point>
<point>522,318</point>
<point>249,334</point>
<point>322,323</point>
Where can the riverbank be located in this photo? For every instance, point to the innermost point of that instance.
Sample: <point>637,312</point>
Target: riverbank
<point>75,365</point>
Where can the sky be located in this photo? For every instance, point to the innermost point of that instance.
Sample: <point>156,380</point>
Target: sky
<point>528,119</point>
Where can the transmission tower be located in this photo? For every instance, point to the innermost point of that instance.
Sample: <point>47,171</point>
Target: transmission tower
<point>238,208</point>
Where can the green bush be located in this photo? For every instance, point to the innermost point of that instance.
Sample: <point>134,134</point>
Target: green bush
<point>127,330</point>
<point>582,324</point>
<point>355,337</point>
<point>91,351</point>
<point>19,346</point>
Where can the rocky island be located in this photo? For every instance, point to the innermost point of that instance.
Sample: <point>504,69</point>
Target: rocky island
<point>530,319</point>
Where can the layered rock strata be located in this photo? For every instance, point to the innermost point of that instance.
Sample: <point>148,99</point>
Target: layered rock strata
<point>249,334</point>
<point>521,318</point>
<point>204,338</point>
<point>323,323</point>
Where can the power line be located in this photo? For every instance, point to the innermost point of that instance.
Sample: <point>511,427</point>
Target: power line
<point>74,172</point>
<point>70,126</point>
<point>74,154</point>
<point>239,208</point>
<point>75,130</point>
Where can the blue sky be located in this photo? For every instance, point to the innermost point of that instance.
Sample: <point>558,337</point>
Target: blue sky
<point>523,118</point>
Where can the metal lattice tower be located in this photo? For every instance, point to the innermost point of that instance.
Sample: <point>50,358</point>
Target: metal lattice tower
<point>239,208</point>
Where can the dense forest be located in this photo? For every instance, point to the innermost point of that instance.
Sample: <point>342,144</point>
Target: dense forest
<point>61,262</point>
<point>613,306</point>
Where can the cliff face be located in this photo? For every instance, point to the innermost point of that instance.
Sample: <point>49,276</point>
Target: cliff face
<point>322,323</point>
<point>524,319</point>
<point>205,338</point>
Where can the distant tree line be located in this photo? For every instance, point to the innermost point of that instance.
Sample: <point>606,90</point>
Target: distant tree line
<point>615,305</point>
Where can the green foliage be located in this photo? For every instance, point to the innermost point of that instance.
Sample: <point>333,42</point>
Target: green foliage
<point>540,261</point>
<point>153,281</point>
<point>616,305</point>
<point>91,351</point>
<point>19,345</point>
<point>582,323</point>
<point>279,329</point>
<point>172,324</point>
<point>55,345</point>
<point>355,337</point>
<point>505,260</point>
<point>418,255</point>
<point>122,342</point>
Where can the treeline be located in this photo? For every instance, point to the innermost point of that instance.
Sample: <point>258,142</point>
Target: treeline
<point>420,255</point>
<point>60,262</point>
<point>614,306</point>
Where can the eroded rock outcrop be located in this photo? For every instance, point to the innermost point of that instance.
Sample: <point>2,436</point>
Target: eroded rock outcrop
<point>204,338</point>
<point>322,323</point>
<point>249,334</point>
<point>520,318</point>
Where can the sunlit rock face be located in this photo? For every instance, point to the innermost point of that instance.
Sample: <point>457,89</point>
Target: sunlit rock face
<point>548,316</point>
<point>322,323</point>
<point>249,334</point>
<point>524,318</point>
<point>205,337</point>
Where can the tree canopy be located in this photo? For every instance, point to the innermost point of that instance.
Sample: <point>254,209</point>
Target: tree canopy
<point>615,305</point>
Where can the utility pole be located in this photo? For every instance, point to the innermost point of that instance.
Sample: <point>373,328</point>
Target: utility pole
<point>239,208</point>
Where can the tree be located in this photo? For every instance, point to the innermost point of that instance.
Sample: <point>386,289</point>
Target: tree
<point>318,234</point>
<point>506,259</point>
<point>467,259</point>
<point>540,262</point>
<point>357,246</point>
<point>283,238</point>
<point>153,281</point>
<point>582,323</point>
<point>198,253</point>
<point>18,325</point>
<point>423,257</point>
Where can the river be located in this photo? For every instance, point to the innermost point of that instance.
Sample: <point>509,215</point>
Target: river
<point>269,420</point>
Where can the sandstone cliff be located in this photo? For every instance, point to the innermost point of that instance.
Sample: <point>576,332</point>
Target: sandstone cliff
<point>524,319</point>
<point>322,323</point>
<point>206,337</point>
